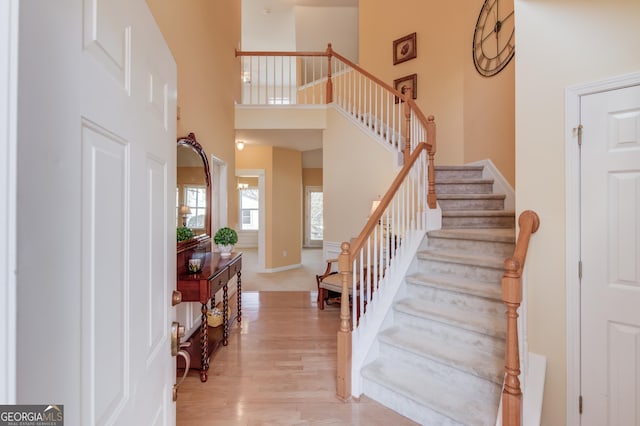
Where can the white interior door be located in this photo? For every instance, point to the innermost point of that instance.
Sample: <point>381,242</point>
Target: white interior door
<point>96,172</point>
<point>610,252</point>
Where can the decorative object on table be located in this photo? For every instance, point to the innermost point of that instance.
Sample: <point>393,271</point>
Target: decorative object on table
<point>183,212</point>
<point>183,233</point>
<point>405,48</point>
<point>225,238</point>
<point>405,83</point>
<point>195,265</point>
<point>494,42</point>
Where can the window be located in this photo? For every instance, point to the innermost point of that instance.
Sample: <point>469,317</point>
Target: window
<point>314,226</point>
<point>249,212</point>
<point>195,197</point>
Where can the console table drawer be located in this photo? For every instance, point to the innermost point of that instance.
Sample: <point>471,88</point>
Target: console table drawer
<point>235,267</point>
<point>216,283</point>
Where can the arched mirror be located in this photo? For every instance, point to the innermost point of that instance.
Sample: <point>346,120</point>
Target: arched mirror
<point>193,198</point>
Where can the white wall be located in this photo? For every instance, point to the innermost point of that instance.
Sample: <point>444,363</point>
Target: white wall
<point>356,170</point>
<point>318,26</point>
<point>560,43</point>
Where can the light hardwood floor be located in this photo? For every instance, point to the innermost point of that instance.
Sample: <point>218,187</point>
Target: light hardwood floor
<point>278,369</point>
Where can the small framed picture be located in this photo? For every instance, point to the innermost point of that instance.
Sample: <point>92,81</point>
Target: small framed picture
<point>405,48</point>
<point>408,82</point>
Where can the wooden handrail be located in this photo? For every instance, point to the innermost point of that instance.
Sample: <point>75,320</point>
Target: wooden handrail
<point>371,77</point>
<point>273,53</point>
<point>375,217</point>
<point>529,223</point>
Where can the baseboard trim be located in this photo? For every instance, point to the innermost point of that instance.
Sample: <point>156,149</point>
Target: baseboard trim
<point>500,184</point>
<point>281,268</point>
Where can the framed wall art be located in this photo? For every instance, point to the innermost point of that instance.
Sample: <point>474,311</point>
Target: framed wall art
<point>407,82</point>
<point>405,48</point>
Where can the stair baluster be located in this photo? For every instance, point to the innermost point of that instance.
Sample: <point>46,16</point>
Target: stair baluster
<point>512,297</point>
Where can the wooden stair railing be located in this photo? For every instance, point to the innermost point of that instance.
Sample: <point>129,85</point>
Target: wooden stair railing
<point>512,297</point>
<point>351,253</point>
<point>367,97</point>
<point>397,118</point>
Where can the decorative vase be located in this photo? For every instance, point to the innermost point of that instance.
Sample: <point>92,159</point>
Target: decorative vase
<point>225,250</point>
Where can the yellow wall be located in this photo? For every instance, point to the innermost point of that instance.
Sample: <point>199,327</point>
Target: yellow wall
<point>312,177</point>
<point>557,47</point>
<point>474,114</point>
<point>287,208</point>
<point>283,200</point>
<point>202,38</point>
<point>256,157</point>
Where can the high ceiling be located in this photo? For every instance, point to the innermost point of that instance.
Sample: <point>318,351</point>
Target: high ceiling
<point>303,25</point>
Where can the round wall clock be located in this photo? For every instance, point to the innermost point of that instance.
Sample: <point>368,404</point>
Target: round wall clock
<point>494,37</point>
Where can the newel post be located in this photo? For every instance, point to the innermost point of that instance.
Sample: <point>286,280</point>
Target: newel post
<point>407,119</point>
<point>431,152</point>
<point>512,297</point>
<point>329,81</point>
<point>343,379</point>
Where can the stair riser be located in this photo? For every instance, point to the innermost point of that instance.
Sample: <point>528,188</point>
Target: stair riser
<point>471,204</point>
<point>464,188</point>
<point>499,249</point>
<point>455,376</point>
<point>468,302</point>
<point>480,273</point>
<point>477,222</point>
<point>407,407</point>
<point>451,334</point>
<point>458,174</point>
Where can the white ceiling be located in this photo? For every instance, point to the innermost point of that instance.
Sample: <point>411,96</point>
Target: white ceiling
<point>302,25</point>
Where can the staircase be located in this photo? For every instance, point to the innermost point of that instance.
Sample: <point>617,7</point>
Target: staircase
<point>441,358</point>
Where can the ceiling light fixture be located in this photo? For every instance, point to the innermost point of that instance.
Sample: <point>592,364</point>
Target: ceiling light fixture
<point>240,145</point>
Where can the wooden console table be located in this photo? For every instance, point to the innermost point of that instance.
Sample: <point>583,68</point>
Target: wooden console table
<point>202,287</point>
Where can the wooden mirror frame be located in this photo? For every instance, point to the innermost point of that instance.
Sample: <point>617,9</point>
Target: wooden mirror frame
<point>190,141</point>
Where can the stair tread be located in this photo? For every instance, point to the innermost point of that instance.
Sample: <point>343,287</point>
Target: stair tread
<point>439,168</point>
<point>464,358</point>
<point>491,325</point>
<point>462,257</point>
<point>463,181</point>
<point>479,213</point>
<point>504,235</point>
<point>450,401</point>
<point>457,284</point>
<point>463,196</point>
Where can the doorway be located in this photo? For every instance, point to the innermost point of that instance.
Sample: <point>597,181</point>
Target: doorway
<point>603,251</point>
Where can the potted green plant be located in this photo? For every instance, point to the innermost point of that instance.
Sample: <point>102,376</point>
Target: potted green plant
<point>183,233</point>
<point>225,238</point>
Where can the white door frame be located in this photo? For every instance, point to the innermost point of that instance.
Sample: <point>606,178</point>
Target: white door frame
<point>8,179</point>
<point>260,173</point>
<point>219,194</point>
<point>572,231</point>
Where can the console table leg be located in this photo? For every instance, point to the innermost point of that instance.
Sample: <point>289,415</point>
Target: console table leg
<point>225,314</point>
<point>204,344</point>
<point>239,295</point>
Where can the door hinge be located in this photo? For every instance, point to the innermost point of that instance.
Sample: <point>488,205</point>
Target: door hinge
<point>580,135</point>
<point>580,269</point>
<point>580,404</point>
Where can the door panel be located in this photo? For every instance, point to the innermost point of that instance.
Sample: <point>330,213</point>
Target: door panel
<point>610,251</point>
<point>97,134</point>
<point>105,274</point>
<point>108,37</point>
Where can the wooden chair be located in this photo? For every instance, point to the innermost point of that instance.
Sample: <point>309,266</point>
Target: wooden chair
<point>330,286</point>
